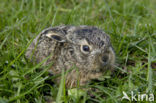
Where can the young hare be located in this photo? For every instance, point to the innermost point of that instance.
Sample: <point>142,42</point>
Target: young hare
<point>86,47</point>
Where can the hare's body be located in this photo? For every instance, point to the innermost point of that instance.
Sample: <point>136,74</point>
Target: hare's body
<point>87,48</point>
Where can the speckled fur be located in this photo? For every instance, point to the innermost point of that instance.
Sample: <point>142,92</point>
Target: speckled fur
<point>65,44</point>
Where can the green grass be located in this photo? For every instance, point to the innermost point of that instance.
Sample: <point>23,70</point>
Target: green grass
<point>131,25</point>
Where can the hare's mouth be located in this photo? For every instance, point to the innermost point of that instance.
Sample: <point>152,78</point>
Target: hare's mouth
<point>100,69</point>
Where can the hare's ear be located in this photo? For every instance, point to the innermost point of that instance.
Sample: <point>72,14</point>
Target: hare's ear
<point>56,36</point>
<point>55,33</point>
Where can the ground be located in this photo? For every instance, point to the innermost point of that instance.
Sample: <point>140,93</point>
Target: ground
<point>131,25</point>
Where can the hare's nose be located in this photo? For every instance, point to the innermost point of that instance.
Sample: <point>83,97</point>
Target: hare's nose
<point>105,59</point>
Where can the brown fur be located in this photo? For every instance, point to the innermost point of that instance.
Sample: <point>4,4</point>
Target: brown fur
<point>67,46</point>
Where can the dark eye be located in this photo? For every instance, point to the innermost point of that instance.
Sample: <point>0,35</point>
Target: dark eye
<point>86,48</point>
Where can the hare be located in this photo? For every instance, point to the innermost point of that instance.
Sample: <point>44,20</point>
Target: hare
<point>86,47</point>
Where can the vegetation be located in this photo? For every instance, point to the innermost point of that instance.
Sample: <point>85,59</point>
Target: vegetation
<point>131,25</point>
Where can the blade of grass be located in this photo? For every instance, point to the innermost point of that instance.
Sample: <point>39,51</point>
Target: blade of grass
<point>150,73</point>
<point>60,92</point>
<point>38,65</point>
<point>27,92</point>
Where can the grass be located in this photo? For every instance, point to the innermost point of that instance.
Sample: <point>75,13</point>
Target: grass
<point>131,25</point>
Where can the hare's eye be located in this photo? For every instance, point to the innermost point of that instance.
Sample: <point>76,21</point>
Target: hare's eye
<point>85,48</point>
